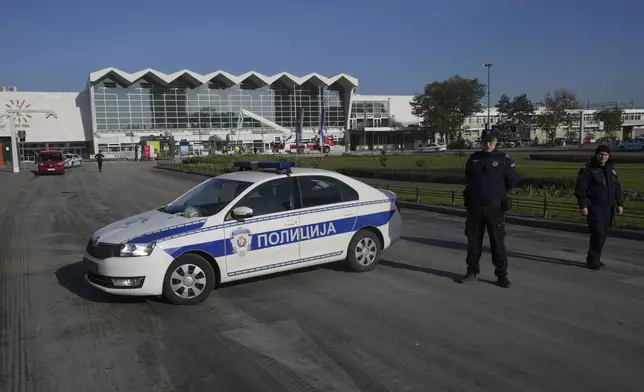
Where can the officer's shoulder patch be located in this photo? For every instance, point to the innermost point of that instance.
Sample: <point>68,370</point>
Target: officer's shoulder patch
<point>614,172</point>
<point>507,155</point>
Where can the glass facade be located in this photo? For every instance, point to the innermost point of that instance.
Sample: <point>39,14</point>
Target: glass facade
<point>369,114</point>
<point>149,106</point>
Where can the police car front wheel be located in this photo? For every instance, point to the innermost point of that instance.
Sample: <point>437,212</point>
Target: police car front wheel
<point>189,280</point>
<point>364,251</point>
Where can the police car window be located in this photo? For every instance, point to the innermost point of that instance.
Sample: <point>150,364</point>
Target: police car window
<point>269,197</point>
<point>207,199</point>
<point>318,191</point>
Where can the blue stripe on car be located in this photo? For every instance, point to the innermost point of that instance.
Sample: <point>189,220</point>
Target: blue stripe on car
<point>223,247</point>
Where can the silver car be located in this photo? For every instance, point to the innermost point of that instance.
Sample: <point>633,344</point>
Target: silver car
<point>636,144</point>
<point>72,160</point>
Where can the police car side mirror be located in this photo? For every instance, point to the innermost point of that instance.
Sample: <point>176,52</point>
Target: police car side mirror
<point>242,213</point>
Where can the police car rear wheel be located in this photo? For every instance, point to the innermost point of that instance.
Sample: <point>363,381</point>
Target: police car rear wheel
<point>189,280</point>
<point>364,251</point>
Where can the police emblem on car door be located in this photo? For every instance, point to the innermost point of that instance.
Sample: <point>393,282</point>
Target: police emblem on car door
<point>241,241</point>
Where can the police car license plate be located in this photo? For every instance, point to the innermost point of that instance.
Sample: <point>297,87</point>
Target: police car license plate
<point>51,169</point>
<point>90,266</point>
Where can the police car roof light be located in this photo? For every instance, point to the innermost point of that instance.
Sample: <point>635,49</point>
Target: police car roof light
<point>264,164</point>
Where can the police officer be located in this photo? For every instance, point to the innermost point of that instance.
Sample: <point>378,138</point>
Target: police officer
<point>99,159</point>
<point>490,175</point>
<point>598,193</point>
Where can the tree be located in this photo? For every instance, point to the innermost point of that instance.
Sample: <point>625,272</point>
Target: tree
<point>612,119</point>
<point>555,112</point>
<point>445,105</point>
<point>518,112</point>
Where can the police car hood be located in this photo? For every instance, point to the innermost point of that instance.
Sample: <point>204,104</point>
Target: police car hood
<point>145,227</point>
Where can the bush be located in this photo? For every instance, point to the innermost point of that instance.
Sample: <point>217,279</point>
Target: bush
<point>616,157</point>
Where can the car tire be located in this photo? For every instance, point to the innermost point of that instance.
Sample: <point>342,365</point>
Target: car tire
<point>327,149</point>
<point>364,251</point>
<point>189,265</point>
<point>622,149</point>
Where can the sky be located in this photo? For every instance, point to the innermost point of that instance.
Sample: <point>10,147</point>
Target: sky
<point>590,47</point>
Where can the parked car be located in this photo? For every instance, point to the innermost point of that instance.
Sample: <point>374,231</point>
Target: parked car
<point>432,147</point>
<point>50,162</point>
<point>72,160</point>
<point>636,144</point>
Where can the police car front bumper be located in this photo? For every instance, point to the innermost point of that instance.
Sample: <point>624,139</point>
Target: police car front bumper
<point>128,275</point>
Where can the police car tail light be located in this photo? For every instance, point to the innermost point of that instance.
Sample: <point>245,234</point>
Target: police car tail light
<point>134,250</point>
<point>264,164</point>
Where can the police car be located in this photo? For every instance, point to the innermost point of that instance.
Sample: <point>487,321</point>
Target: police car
<point>265,218</point>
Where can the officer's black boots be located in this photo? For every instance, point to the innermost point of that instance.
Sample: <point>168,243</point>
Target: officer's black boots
<point>596,266</point>
<point>469,277</point>
<point>503,281</point>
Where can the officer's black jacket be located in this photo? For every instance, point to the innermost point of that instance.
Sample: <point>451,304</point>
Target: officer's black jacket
<point>99,157</point>
<point>598,186</point>
<point>490,175</point>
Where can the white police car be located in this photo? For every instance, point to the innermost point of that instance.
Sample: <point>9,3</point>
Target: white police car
<point>267,217</point>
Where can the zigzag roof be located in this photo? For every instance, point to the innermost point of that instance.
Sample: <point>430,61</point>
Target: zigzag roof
<point>197,78</point>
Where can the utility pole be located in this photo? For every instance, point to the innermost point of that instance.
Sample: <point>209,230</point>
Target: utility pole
<point>12,131</point>
<point>489,67</point>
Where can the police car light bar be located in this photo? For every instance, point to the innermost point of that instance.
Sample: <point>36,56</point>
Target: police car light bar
<point>264,164</point>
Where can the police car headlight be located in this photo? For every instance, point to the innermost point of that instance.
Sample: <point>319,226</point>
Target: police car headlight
<point>134,250</point>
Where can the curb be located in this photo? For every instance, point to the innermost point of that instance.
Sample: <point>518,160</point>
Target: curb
<point>525,221</point>
<point>513,219</point>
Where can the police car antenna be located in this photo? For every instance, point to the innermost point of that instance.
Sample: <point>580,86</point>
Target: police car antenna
<point>281,167</point>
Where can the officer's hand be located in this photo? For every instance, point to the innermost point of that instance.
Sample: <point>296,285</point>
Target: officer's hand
<point>620,210</point>
<point>584,211</point>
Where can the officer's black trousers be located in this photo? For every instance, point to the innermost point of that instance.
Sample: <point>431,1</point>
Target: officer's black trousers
<point>100,165</point>
<point>479,218</point>
<point>599,221</point>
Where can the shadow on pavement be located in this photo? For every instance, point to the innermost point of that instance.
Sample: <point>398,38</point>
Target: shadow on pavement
<point>443,274</point>
<point>455,245</point>
<point>72,277</point>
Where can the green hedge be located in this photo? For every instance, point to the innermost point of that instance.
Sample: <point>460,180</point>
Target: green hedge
<point>585,157</point>
<point>448,176</point>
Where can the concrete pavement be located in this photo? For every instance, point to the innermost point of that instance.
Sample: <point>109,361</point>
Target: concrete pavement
<point>406,326</point>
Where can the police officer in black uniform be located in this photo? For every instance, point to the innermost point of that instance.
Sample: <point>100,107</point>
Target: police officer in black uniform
<point>490,175</point>
<point>599,194</point>
<point>99,159</point>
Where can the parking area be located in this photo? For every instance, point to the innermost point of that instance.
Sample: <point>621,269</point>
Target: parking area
<point>406,326</point>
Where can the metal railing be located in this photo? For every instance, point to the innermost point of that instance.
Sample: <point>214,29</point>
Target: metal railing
<point>545,206</point>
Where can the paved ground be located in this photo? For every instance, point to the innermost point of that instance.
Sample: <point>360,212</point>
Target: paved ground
<point>406,326</point>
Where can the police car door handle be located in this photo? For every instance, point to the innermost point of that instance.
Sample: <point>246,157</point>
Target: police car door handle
<point>290,223</point>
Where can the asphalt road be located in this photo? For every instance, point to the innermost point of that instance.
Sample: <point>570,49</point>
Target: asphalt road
<point>406,326</point>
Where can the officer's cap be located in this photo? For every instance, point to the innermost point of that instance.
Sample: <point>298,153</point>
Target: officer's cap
<point>489,135</point>
<point>602,148</point>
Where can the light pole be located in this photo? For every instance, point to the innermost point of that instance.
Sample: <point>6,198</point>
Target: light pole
<point>489,67</point>
<point>12,131</point>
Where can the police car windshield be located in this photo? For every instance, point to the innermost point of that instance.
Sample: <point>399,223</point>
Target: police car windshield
<point>208,198</point>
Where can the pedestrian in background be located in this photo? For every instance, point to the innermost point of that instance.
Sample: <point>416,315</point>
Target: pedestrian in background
<point>599,195</point>
<point>99,159</point>
<point>490,174</point>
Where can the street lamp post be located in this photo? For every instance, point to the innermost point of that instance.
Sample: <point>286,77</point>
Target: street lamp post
<point>12,131</point>
<point>489,67</point>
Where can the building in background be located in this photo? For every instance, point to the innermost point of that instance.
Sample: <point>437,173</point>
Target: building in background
<point>149,113</point>
<point>70,131</point>
<point>214,111</point>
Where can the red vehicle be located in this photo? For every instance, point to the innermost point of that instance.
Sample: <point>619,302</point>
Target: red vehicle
<point>312,145</point>
<point>51,162</point>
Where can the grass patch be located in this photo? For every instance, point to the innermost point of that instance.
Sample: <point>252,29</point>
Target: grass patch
<point>631,174</point>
